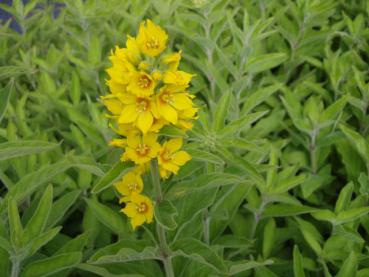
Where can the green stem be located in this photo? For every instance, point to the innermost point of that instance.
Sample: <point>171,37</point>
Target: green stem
<point>163,244</point>
<point>15,268</point>
<point>314,166</point>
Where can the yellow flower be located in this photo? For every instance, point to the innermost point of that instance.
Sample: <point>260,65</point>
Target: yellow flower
<point>170,158</point>
<point>137,110</point>
<point>130,183</point>
<point>141,84</point>
<point>157,75</point>
<point>157,125</point>
<point>172,60</point>
<point>185,118</point>
<point>170,100</point>
<point>113,104</point>
<point>132,51</point>
<point>139,209</point>
<point>178,78</point>
<point>151,39</point>
<point>115,87</point>
<point>122,67</point>
<point>141,149</point>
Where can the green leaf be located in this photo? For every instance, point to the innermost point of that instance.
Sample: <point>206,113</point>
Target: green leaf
<point>15,225</point>
<point>204,156</point>
<point>36,243</point>
<point>241,267</point>
<point>325,215</point>
<point>10,71</point>
<point>5,244</point>
<point>242,164</point>
<point>61,206</point>
<point>259,96</point>
<point>264,62</point>
<point>241,124</point>
<point>206,181</point>
<point>14,149</point>
<point>110,218</point>
<point>349,267</point>
<point>298,268</point>
<point>100,271</point>
<point>165,213</point>
<point>52,265</point>
<point>75,89</point>
<point>94,50</point>
<point>128,255</point>
<point>118,170</point>
<point>34,180</point>
<point>287,184</point>
<point>37,223</point>
<point>222,111</point>
<point>282,210</point>
<point>269,237</point>
<point>5,94</point>
<point>76,244</point>
<point>350,215</point>
<point>344,198</point>
<point>357,141</point>
<point>196,250</point>
<point>311,235</point>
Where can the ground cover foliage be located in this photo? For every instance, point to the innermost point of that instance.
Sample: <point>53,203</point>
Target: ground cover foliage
<point>278,183</point>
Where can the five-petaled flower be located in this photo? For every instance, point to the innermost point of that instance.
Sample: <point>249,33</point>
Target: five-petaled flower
<point>170,158</point>
<point>139,209</point>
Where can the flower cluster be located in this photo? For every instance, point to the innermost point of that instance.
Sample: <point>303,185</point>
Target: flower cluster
<point>147,93</point>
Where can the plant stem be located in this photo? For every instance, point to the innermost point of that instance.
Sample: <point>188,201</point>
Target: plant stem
<point>163,244</point>
<point>15,268</point>
<point>206,226</point>
<point>314,166</point>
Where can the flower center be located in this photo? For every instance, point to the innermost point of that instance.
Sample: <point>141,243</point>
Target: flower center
<point>133,187</point>
<point>152,43</point>
<point>142,105</point>
<point>166,97</point>
<point>142,150</point>
<point>142,208</point>
<point>144,81</point>
<point>167,156</point>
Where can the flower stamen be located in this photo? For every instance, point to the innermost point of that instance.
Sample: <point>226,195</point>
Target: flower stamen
<point>142,208</point>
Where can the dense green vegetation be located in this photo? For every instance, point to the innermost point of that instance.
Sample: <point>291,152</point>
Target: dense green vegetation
<point>278,184</point>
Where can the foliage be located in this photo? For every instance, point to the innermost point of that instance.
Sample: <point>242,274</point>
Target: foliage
<point>278,183</point>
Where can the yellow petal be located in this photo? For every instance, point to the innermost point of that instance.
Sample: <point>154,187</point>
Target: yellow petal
<point>182,101</point>
<point>128,114</point>
<point>138,220</point>
<point>181,157</point>
<point>169,113</point>
<point>130,210</point>
<point>144,121</point>
<point>170,167</point>
<point>173,145</point>
<point>113,105</point>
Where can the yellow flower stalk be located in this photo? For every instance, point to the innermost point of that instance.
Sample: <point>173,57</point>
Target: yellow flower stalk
<point>147,92</point>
